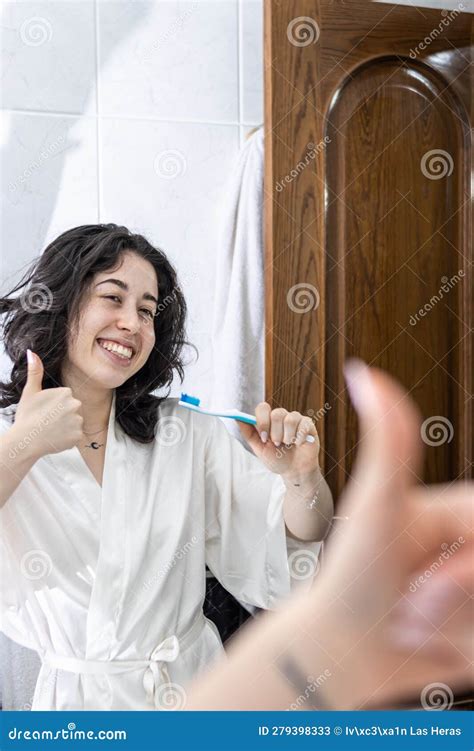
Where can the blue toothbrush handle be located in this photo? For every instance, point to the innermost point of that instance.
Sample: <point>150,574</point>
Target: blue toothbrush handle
<point>192,403</point>
<point>252,421</point>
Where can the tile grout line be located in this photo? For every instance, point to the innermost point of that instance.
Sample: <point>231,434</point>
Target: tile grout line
<point>239,69</point>
<point>97,109</point>
<point>133,118</point>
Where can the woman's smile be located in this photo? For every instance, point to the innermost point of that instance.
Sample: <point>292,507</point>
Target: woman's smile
<point>116,353</point>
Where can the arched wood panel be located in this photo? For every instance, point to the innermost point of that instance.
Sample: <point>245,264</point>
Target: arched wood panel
<point>397,256</point>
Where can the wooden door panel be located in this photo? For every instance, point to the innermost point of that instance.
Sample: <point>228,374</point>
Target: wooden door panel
<point>377,225</point>
<point>395,270</point>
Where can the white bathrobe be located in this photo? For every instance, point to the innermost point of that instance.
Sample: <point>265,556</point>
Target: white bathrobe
<point>108,584</point>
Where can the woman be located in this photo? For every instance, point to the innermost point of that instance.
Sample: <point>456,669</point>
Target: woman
<point>114,499</point>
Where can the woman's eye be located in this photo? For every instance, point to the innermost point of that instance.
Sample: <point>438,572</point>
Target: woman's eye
<point>148,313</point>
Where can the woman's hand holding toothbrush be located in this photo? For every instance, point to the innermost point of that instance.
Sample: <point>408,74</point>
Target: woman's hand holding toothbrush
<point>279,441</point>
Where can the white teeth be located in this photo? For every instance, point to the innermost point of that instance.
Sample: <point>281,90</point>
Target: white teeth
<point>124,352</point>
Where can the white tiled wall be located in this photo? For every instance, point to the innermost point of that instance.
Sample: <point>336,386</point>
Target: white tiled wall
<point>129,111</point>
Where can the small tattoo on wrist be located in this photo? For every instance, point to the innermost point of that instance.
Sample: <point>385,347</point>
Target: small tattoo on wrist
<point>293,674</point>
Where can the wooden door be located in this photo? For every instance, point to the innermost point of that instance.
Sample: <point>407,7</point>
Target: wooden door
<point>368,117</point>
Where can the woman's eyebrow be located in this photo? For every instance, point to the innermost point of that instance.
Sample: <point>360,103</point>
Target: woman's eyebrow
<point>124,286</point>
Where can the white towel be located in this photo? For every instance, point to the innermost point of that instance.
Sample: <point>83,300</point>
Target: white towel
<point>238,319</point>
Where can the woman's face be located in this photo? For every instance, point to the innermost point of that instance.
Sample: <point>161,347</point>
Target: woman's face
<point>115,332</point>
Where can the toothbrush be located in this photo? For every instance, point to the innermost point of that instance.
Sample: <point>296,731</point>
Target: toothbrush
<point>192,402</point>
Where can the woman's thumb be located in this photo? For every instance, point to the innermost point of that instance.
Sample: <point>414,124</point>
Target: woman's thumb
<point>250,434</point>
<point>34,379</point>
<point>389,455</point>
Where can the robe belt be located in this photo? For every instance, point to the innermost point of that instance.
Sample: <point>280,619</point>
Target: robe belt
<point>159,690</point>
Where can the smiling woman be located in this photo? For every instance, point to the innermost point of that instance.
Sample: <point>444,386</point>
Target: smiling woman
<point>114,500</point>
<point>104,282</point>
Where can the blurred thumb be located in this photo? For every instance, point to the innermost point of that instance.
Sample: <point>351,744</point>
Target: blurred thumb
<point>389,456</point>
<point>35,373</point>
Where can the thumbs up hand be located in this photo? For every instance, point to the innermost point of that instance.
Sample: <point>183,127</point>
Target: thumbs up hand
<point>399,632</point>
<point>48,420</point>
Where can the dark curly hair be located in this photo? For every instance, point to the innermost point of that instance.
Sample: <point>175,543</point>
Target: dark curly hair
<point>42,315</point>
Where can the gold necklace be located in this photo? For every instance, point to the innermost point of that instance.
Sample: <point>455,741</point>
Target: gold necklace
<point>94,444</point>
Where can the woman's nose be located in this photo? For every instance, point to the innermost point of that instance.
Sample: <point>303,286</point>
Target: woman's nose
<point>129,319</point>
